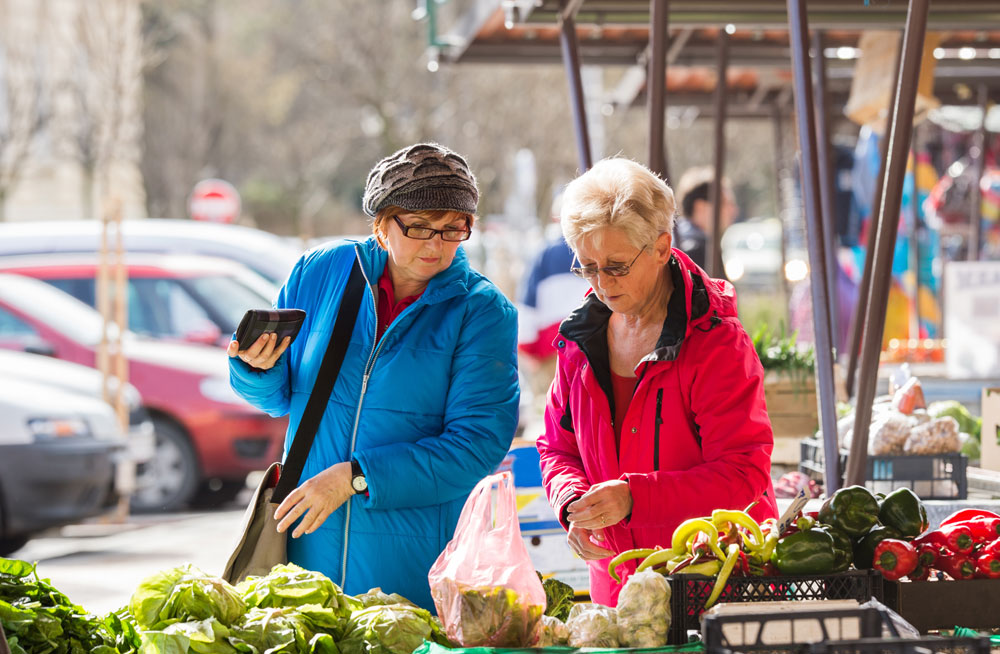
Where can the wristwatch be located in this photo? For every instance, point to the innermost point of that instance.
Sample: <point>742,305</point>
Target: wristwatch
<point>358,481</point>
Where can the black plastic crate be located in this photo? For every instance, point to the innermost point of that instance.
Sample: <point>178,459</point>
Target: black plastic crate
<point>931,476</point>
<point>929,645</point>
<point>690,592</point>
<point>784,632</point>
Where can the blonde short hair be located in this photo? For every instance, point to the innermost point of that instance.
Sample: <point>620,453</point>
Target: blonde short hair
<point>379,226</point>
<point>619,193</point>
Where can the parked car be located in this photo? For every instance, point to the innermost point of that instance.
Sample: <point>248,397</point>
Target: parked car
<point>57,453</point>
<point>207,438</point>
<point>75,378</point>
<point>172,297</point>
<point>270,256</point>
<point>751,255</point>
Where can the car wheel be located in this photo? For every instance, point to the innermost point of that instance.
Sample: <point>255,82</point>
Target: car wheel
<point>170,478</point>
<point>12,544</point>
<point>215,493</point>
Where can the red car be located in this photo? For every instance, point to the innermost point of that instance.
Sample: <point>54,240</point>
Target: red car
<point>207,438</point>
<point>170,296</point>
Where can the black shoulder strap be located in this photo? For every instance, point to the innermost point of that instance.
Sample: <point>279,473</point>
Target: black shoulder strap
<point>328,370</point>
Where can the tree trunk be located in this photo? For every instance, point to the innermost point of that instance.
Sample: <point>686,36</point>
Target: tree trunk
<point>87,191</point>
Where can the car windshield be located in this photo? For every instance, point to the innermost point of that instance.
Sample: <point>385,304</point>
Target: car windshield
<point>59,311</point>
<point>229,297</point>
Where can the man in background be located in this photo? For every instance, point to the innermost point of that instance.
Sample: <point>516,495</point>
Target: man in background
<point>549,293</point>
<point>694,195</point>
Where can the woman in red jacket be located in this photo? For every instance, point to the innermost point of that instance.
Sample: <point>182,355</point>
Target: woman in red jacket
<point>656,413</point>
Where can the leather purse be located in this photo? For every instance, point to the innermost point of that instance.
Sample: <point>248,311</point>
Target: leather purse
<point>284,322</point>
<point>260,546</point>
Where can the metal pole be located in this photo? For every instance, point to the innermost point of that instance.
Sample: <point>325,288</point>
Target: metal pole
<point>888,218</point>
<point>975,238</point>
<point>571,60</point>
<point>798,32</point>
<point>779,176</point>
<point>657,82</point>
<point>825,155</point>
<point>860,316</point>
<point>713,254</point>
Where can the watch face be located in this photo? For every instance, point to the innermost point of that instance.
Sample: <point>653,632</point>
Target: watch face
<point>359,483</point>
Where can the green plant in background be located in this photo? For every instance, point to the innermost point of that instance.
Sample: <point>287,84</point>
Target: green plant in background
<point>778,351</point>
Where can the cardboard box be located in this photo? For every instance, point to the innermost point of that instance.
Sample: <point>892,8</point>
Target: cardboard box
<point>990,434</point>
<point>927,605</point>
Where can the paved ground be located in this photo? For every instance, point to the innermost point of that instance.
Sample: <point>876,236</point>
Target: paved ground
<point>99,565</point>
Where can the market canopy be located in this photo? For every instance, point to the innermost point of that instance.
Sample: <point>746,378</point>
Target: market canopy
<point>616,33</point>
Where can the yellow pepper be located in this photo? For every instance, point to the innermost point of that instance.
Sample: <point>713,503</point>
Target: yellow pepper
<point>742,519</point>
<point>627,555</point>
<point>689,528</point>
<point>732,554</point>
<point>708,568</point>
<point>659,557</point>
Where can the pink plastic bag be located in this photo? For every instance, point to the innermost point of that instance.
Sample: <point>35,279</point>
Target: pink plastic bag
<point>484,585</point>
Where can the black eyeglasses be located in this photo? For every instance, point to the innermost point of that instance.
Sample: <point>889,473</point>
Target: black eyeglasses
<point>427,233</point>
<point>618,270</point>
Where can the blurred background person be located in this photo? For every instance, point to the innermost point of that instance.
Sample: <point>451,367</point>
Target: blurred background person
<point>693,226</point>
<point>548,294</point>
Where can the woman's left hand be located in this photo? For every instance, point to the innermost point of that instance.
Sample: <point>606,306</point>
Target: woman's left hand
<point>605,504</point>
<point>317,498</point>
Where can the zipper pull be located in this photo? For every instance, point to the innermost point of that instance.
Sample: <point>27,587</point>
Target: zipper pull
<point>364,383</point>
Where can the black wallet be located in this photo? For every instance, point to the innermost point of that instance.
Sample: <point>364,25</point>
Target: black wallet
<point>283,322</point>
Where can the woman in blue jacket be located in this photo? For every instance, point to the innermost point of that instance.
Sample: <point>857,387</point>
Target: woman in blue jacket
<point>426,401</point>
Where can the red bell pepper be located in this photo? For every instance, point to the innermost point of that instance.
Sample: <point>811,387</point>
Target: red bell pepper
<point>983,529</point>
<point>920,573</point>
<point>968,514</point>
<point>927,555</point>
<point>954,538</point>
<point>988,565</point>
<point>895,558</point>
<point>957,566</point>
<point>992,548</point>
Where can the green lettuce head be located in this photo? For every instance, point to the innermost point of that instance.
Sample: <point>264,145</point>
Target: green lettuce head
<point>304,629</point>
<point>290,585</point>
<point>184,594</point>
<point>389,629</point>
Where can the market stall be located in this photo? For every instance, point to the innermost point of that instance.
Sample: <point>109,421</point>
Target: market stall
<point>868,564</point>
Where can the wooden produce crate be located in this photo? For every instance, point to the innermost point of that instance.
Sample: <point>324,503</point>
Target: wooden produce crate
<point>927,605</point>
<point>791,406</point>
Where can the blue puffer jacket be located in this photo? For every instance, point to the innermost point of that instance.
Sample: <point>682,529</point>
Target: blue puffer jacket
<point>437,415</point>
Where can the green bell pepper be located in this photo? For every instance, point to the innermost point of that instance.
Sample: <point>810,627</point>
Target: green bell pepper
<point>864,548</point>
<point>809,552</point>
<point>853,510</point>
<point>843,547</point>
<point>903,511</point>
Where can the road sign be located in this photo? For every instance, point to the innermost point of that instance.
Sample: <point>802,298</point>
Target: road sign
<point>214,200</point>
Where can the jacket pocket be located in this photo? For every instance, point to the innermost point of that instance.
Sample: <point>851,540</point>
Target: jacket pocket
<point>656,429</point>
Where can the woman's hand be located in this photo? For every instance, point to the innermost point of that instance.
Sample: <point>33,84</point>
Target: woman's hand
<point>605,504</point>
<point>317,498</point>
<point>582,541</point>
<point>262,354</point>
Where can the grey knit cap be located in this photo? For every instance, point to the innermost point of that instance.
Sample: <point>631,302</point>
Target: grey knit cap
<point>421,177</point>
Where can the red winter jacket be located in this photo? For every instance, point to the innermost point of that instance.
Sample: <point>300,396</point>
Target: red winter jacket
<point>696,436</point>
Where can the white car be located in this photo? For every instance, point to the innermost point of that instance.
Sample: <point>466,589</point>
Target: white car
<point>269,255</point>
<point>751,256</point>
<point>83,380</point>
<point>57,454</point>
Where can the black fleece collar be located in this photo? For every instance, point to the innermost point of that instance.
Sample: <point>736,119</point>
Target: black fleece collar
<point>587,326</point>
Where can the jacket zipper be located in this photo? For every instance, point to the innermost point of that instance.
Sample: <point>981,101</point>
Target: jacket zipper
<point>656,437</point>
<point>369,366</point>
<point>357,415</point>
